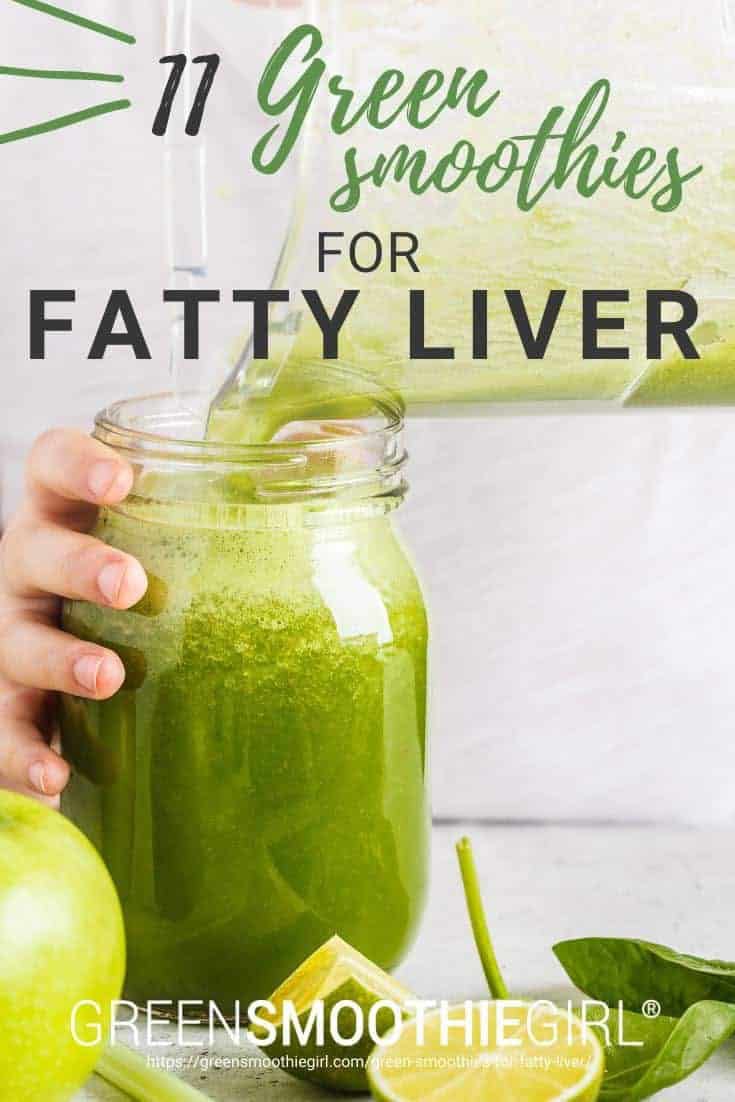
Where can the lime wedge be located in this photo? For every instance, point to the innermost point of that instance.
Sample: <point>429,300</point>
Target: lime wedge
<point>335,974</point>
<point>529,1051</point>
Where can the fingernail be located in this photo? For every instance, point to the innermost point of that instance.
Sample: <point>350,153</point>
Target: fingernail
<point>134,584</point>
<point>122,583</point>
<point>37,777</point>
<point>109,479</point>
<point>86,671</point>
<point>110,580</point>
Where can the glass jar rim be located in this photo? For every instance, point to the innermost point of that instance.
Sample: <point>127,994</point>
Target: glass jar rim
<point>166,432</point>
<point>114,425</point>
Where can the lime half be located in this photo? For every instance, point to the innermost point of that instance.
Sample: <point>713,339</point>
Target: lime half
<point>343,988</point>
<point>532,1052</point>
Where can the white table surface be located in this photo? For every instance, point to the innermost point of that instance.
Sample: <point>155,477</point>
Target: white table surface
<point>541,884</point>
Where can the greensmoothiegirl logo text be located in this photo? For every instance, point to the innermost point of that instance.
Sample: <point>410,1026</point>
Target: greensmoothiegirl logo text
<point>346,1022</point>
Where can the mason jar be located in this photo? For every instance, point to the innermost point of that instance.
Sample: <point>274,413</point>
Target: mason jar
<point>259,783</point>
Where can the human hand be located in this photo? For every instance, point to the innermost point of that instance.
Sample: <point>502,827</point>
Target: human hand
<point>46,554</point>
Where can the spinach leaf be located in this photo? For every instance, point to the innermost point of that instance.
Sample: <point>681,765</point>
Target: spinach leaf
<point>621,970</point>
<point>672,1049</point>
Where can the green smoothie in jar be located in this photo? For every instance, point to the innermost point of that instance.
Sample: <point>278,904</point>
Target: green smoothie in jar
<point>259,783</point>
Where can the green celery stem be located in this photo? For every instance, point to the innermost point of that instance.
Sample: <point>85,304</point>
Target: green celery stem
<point>131,1074</point>
<point>480,930</point>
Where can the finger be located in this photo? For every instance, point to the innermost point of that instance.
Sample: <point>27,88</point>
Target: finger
<point>342,445</point>
<point>297,431</point>
<point>44,558</point>
<point>27,762</point>
<point>67,467</point>
<point>42,657</point>
<point>30,705</point>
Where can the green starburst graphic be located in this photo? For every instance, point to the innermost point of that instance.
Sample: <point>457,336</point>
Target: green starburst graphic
<point>62,121</point>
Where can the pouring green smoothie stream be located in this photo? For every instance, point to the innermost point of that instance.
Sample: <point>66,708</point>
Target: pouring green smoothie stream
<point>260,779</point>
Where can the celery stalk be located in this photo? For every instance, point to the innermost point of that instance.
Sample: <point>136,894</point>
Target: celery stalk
<point>130,1072</point>
<point>483,941</point>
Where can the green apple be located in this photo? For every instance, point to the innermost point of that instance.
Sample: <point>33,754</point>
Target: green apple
<point>62,943</point>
